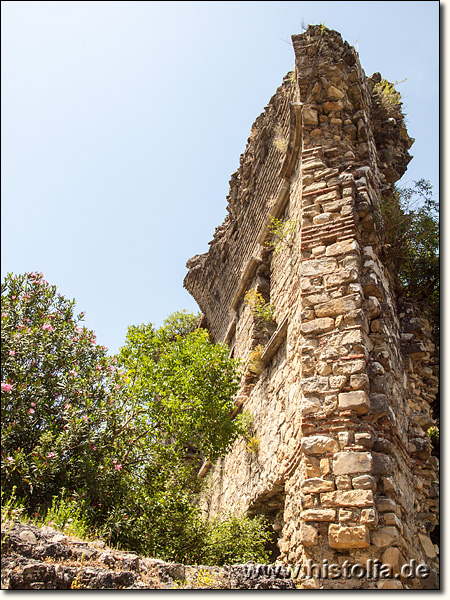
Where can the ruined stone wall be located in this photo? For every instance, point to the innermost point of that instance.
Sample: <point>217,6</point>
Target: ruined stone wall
<point>339,459</point>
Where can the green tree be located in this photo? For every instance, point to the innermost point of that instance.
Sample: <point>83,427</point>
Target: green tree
<point>117,441</point>
<point>186,385</point>
<point>66,423</point>
<point>411,231</point>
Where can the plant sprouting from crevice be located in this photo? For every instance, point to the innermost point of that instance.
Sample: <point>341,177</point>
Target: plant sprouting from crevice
<point>262,311</point>
<point>283,233</point>
<point>279,140</point>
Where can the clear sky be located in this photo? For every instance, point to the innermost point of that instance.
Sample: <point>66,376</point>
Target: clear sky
<point>123,121</point>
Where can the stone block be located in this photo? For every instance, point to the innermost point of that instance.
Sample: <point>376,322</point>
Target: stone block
<point>339,306</point>
<point>325,468</point>
<point>390,584</point>
<point>364,482</point>
<point>394,558</point>
<point>348,537</point>
<point>309,116</point>
<point>386,504</point>
<point>382,464</point>
<point>385,536</point>
<point>317,326</point>
<point>312,268</point>
<point>333,93</point>
<point>332,106</point>
<point>308,535</point>
<point>343,482</point>
<point>427,545</point>
<point>344,247</point>
<point>341,498</point>
<point>322,218</point>
<point>364,439</point>
<point>359,381</point>
<point>349,367</point>
<point>318,444</point>
<point>369,517</point>
<point>357,400</point>
<point>390,518</point>
<point>379,404</point>
<point>315,384</point>
<point>345,463</point>
<point>324,514</point>
<point>316,485</point>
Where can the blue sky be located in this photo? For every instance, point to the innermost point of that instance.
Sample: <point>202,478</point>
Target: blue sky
<point>123,121</point>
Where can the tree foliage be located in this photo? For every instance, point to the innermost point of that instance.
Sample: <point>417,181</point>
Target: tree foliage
<point>115,443</point>
<point>411,231</point>
<point>186,385</point>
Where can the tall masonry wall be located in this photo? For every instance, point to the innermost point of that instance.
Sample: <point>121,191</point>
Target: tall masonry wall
<point>339,391</point>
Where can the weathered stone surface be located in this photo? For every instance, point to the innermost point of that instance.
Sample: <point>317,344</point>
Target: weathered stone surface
<point>28,537</point>
<point>389,584</point>
<point>317,326</point>
<point>364,482</point>
<point>345,463</point>
<point>359,498</point>
<point>369,517</point>
<point>427,545</point>
<point>310,116</point>
<point>386,536</point>
<point>345,538</point>
<point>319,444</point>
<point>308,535</point>
<point>382,464</point>
<point>357,401</point>
<point>327,514</point>
<point>393,557</point>
<point>386,504</point>
<point>339,306</point>
<point>316,485</point>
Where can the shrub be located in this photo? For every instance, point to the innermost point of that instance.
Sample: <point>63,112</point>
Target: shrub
<point>237,539</point>
<point>262,311</point>
<point>62,409</point>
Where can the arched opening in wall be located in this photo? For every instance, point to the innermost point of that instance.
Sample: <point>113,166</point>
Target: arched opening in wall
<point>270,505</point>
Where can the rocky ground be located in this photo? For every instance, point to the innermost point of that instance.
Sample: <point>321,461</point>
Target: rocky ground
<point>45,559</point>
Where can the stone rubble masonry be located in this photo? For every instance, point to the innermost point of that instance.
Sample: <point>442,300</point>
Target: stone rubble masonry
<point>341,404</point>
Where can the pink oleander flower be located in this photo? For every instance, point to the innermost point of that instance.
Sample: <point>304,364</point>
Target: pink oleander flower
<point>118,467</point>
<point>32,404</point>
<point>48,327</point>
<point>11,352</point>
<point>117,386</point>
<point>13,297</point>
<point>31,411</point>
<point>99,367</point>
<point>114,460</point>
<point>67,406</point>
<point>85,417</point>
<point>9,459</point>
<point>6,387</point>
<point>93,447</point>
<point>73,373</point>
<point>51,455</point>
